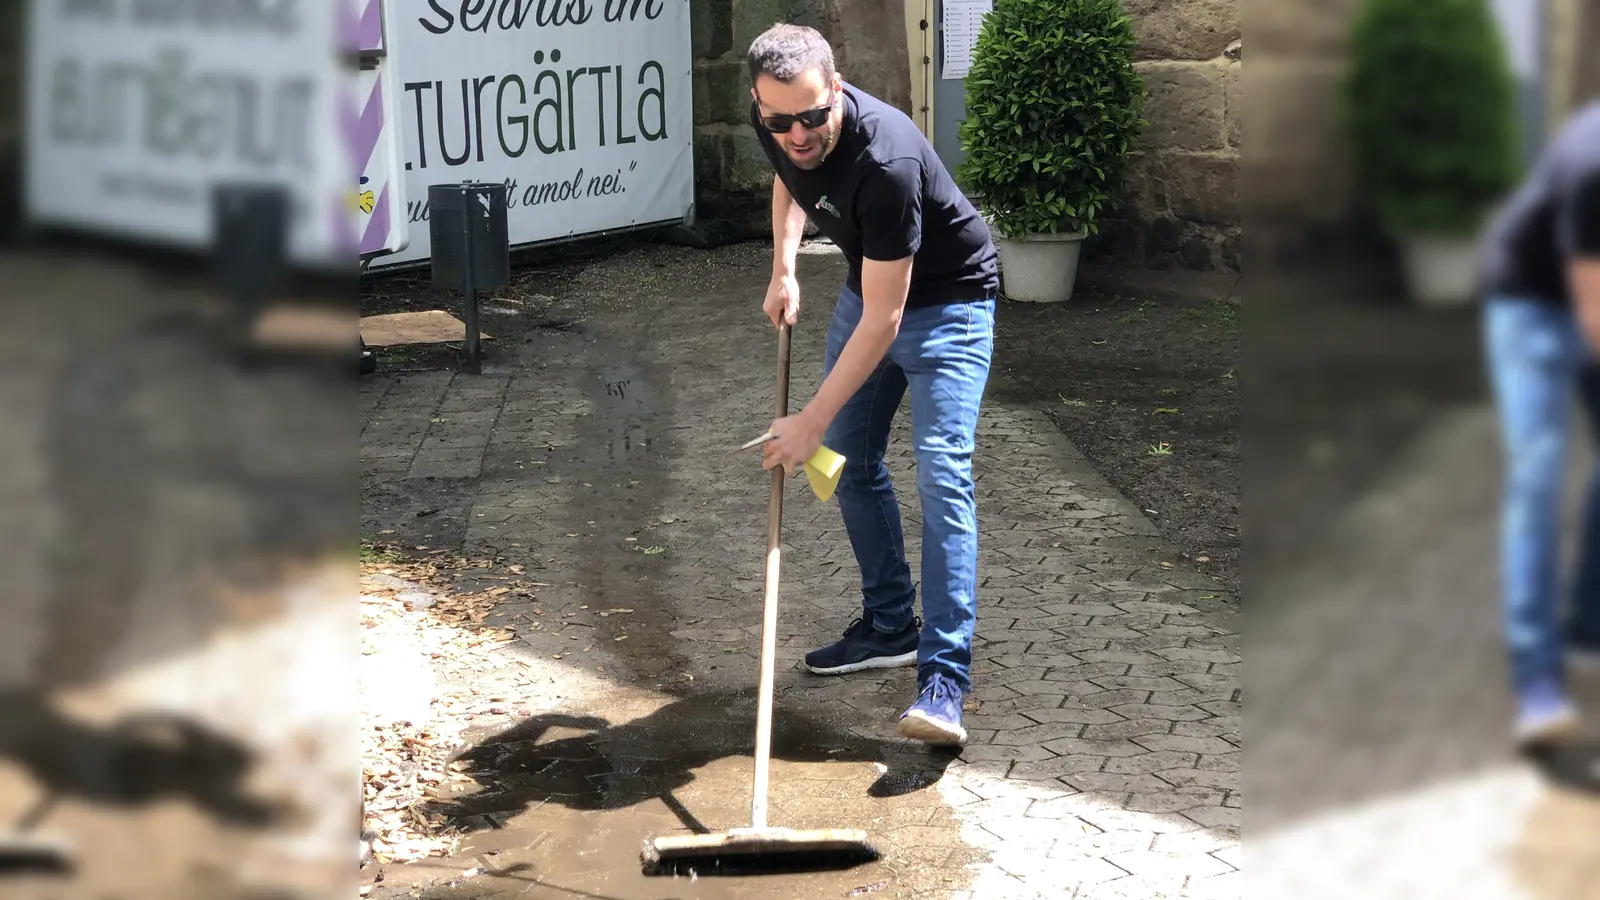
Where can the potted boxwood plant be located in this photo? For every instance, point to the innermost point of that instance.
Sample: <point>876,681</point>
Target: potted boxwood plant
<point>1053,108</point>
<point>1431,112</point>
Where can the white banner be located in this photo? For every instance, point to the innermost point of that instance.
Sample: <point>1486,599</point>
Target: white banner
<point>136,108</point>
<point>583,109</point>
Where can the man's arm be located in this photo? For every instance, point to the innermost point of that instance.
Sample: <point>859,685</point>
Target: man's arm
<point>884,285</point>
<point>788,227</point>
<point>1583,274</point>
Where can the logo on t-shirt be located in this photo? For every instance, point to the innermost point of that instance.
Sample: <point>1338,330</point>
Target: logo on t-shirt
<point>822,203</point>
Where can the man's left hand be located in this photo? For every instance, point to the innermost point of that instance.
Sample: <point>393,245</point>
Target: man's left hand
<point>796,439</point>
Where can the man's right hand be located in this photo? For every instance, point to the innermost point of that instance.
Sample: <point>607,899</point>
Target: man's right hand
<point>783,300</point>
<point>1584,279</point>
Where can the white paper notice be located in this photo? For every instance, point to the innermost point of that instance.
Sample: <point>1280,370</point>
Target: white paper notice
<point>963,19</point>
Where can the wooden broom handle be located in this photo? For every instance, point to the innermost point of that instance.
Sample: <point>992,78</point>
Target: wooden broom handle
<point>769,622</point>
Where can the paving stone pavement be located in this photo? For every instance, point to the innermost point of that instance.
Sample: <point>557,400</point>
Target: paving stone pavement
<point>1104,759</point>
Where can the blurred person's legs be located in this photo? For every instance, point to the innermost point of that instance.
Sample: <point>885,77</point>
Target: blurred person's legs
<point>1535,355</point>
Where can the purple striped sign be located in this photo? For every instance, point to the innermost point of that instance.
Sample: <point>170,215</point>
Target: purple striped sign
<point>369,28</point>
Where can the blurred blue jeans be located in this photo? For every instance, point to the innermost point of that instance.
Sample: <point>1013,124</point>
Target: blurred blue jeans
<point>1537,359</point>
<point>941,355</point>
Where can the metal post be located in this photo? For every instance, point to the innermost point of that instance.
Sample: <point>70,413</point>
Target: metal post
<point>470,288</point>
<point>248,249</point>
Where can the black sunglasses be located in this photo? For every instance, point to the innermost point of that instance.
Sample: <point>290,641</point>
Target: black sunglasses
<point>812,119</point>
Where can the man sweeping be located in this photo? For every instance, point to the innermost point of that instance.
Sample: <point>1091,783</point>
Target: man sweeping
<point>915,316</point>
<point>1542,321</point>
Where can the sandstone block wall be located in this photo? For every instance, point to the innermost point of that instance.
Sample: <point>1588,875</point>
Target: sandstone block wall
<point>1181,199</point>
<point>1574,33</point>
<point>1299,191</point>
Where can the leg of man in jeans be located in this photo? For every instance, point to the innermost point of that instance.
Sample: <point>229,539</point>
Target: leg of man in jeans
<point>886,634</point>
<point>1535,353</point>
<point>946,359</point>
<point>942,355</point>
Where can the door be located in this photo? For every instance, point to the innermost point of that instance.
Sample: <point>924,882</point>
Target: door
<point>956,28</point>
<point>1521,24</point>
<point>919,53</point>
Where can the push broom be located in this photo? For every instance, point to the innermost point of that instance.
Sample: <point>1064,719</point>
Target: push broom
<point>763,847</point>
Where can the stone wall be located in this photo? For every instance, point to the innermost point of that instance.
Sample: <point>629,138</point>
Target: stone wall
<point>1575,29</point>
<point>1587,78</point>
<point>1181,199</point>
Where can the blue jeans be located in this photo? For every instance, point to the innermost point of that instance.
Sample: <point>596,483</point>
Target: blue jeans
<point>1536,357</point>
<point>941,357</point>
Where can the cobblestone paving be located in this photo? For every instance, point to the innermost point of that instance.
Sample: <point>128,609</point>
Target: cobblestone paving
<point>1105,721</point>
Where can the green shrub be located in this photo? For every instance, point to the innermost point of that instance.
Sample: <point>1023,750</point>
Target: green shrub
<point>1431,112</point>
<point>1053,108</point>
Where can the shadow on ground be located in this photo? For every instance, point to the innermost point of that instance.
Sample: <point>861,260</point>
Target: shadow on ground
<point>610,767</point>
<point>138,760</point>
<point>1574,767</point>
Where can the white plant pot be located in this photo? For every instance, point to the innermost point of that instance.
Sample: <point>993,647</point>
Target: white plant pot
<point>1040,268</point>
<point>1440,272</point>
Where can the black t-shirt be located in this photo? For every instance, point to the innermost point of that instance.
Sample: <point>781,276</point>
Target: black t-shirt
<point>1585,216</point>
<point>883,194</point>
<point>1551,220</point>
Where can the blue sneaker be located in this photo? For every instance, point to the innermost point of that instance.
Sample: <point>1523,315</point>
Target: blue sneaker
<point>1544,715</point>
<point>863,648</point>
<point>936,716</point>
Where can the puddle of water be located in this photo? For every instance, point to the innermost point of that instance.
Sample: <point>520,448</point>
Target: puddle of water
<point>627,412</point>
<point>624,469</point>
<point>1557,856</point>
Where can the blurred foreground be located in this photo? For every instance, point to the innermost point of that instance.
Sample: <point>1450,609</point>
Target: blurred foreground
<point>178,662</point>
<point>1380,761</point>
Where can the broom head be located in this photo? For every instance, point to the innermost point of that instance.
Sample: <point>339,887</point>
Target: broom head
<point>752,850</point>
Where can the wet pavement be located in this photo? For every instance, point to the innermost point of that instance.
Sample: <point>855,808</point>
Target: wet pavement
<point>1104,757</point>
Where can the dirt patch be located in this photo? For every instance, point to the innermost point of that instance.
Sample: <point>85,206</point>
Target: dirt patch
<point>1148,391</point>
<point>1343,388</point>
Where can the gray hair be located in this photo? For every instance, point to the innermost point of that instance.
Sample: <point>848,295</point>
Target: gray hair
<point>785,51</point>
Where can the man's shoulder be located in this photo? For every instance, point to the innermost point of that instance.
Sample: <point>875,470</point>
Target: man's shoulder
<point>887,126</point>
<point>1586,118</point>
<point>1578,145</point>
<point>891,155</point>
<point>870,101</point>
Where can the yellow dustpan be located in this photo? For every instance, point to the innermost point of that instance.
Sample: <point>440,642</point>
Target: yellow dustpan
<point>822,470</point>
